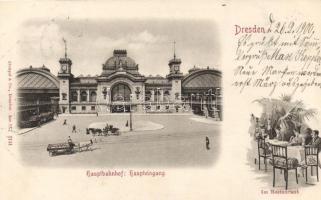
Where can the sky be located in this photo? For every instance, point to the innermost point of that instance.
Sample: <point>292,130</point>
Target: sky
<point>91,42</point>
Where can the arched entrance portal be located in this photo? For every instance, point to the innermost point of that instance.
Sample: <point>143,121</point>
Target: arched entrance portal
<point>120,97</point>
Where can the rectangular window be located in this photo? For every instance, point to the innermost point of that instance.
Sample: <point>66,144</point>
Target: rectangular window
<point>73,107</point>
<point>93,108</point>
<point>105,92</point>
<point>64,96</point>
<point>218,91</point>
<point>64,108</point>
<point>83,107</point>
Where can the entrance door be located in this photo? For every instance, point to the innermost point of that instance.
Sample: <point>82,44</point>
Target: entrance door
<point>118,108</point>
<point>120,94</point>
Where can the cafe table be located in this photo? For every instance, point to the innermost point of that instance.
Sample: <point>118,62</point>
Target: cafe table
<point>293,151</point>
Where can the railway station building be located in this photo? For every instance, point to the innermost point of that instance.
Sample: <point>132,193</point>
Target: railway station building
<point>120,87</point>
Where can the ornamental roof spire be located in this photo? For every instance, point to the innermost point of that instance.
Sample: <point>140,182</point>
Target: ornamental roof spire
<point>174,50</point>
<point>174,60</point>
<point>65,42</point>
<point>65,59</point>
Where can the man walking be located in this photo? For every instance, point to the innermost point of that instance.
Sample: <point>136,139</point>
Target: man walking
<point>207,141</point>
<point>205,112</point>
<point>74,129</point>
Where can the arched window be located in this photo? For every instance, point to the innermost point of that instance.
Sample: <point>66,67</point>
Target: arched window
<point>83,96</point>
<point>147,95</point>
<point>166,95</point>
<point>93,96</point>
<point>120,92</point>
<point>74,96</point>
<point>157,95</point>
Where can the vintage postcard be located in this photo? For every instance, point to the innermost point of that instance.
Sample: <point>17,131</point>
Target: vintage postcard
<point>160,100</point>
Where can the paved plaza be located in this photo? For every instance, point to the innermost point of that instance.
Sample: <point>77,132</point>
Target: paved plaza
<point>158,140</point>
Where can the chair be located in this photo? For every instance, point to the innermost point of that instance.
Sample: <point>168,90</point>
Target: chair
<point>281,161</point>
<point>263,151</point>
<point>311,160</point>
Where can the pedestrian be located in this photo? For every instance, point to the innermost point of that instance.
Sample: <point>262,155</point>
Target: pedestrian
<point>74,129</point>
<point>65,122</point>
<point>96,114</point>
<point>87,131</point>
<point>127,123</point>
<point>207,140</point>
<point>205,111</point>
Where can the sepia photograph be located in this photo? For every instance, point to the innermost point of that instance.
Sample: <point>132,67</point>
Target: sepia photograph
<point>119,93</point>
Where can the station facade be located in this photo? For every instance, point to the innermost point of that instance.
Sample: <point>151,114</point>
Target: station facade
<point>121,87</point>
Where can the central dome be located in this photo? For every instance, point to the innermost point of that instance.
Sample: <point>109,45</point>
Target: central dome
<point>120,60</point>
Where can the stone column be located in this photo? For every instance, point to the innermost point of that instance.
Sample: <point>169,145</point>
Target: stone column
<point>78,96</point>
<point>142,95</point>
<point>108,100</point>
<point>161,95</point>
<point>152,96</point>
<point>88,95</point>
<point>108,96</point>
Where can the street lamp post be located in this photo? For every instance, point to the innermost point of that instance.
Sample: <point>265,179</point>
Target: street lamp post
<point>192,101</point>
<point>38,113</point>
<point>130,114</point>
<point>205,101</point>
<point>217,93</point>
<point>157,103</point>
<point>200,100</point>
<point>197,100</point>
<point>209,96</point>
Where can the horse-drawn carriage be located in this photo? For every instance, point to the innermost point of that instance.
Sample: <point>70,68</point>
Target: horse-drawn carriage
<point>102,129</point>
<point>68,147</point>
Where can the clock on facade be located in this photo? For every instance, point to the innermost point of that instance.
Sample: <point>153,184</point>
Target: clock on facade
<point>64,68</point>
<point>176,68</point>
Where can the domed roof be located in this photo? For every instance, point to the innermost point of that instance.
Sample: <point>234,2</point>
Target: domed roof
<point>174,61</point>
<point>119,60</point>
